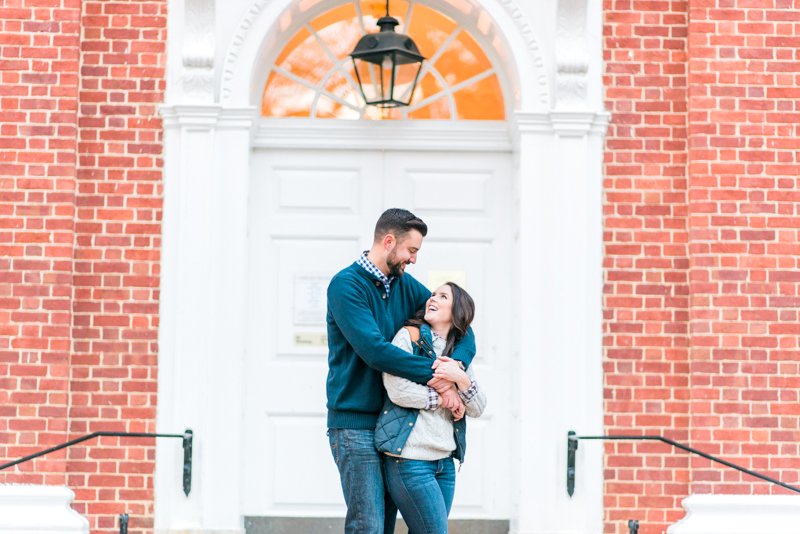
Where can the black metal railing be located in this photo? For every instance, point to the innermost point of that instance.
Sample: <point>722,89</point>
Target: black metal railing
<point>572,447</point>
<point>187,450</point>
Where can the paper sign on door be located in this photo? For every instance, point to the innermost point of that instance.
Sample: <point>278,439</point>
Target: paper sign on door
<point>310,298</point>
<point>437,278</point>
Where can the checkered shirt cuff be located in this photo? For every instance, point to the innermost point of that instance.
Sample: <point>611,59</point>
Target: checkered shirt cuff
<point>469,394</point>
<point>433,399</point>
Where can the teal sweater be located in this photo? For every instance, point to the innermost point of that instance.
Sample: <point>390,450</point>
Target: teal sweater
<point>362,320</point>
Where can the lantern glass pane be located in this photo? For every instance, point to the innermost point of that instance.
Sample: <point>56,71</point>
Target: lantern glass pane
<point>368,75</point>
<point>405,76</point>
<point>386,71</point>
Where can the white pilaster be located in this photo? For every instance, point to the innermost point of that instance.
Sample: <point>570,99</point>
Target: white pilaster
<point>201,333</point>
<point>559,246</point>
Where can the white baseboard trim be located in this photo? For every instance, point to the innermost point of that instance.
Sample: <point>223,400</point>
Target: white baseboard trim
<point>39,509</point>
<point>739,514</point>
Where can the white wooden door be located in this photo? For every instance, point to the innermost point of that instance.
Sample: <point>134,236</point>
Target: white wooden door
<point>311,213</point>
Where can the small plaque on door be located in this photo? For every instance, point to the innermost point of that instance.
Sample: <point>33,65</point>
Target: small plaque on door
<point>310,339</point>
<point>437,278</point>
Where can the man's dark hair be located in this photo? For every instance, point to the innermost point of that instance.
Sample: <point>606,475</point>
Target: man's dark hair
<point>399,223</point>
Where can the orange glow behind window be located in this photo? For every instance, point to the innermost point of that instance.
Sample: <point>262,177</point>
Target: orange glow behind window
<point>313,75</point>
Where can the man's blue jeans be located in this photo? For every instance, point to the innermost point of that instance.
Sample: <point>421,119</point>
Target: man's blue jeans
<point>423,491</point>
<point>370,509</point>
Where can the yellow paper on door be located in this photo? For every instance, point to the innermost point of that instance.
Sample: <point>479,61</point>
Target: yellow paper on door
<point>437,278</point>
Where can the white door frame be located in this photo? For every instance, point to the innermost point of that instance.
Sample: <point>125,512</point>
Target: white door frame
<point>557,154</point>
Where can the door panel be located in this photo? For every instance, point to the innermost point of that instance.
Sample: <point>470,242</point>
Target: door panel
<point>309,216</point>
<point>311,213</point>
<point>465,199</point>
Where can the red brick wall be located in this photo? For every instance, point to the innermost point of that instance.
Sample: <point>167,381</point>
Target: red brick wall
<point>39,55</point>
<point>80,211</point>
<point>701,225</point>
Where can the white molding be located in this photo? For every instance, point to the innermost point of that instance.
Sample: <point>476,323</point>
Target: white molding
<point>197,73</point>
<point>39,510</point>
<point>241,55</point>
<point>200,116</point>
<point>332,134</point>
<point>739,514</point>
<point>563,123</point>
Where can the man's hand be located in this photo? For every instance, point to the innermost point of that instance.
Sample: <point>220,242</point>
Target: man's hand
<point>440,385</point>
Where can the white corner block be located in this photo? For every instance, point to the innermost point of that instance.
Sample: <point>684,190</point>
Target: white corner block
<point>39,510</point>
<point>739,514</point>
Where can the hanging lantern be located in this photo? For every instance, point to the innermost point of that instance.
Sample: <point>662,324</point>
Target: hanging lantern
<point>387,65</point>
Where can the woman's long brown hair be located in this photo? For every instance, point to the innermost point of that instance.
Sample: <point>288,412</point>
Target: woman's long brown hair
<point>463,311</point>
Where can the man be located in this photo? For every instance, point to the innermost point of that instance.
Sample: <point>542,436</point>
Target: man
<point>367,304</point>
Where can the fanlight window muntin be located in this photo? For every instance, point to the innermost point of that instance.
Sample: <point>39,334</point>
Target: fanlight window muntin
<point>313,74</point>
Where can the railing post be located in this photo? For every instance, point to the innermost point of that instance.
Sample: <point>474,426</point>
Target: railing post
<point>123,523</point>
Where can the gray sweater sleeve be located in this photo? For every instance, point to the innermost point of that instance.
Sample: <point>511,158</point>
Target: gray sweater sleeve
<point>401,391</point>
<point>477,404</point>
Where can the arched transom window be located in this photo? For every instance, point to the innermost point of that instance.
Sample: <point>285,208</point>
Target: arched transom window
<point>313,75</point>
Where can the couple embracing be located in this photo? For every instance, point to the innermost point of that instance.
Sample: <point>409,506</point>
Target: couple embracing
<point>399,384</point>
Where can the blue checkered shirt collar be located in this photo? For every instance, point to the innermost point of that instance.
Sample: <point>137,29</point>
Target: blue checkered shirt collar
<point>371,269</point>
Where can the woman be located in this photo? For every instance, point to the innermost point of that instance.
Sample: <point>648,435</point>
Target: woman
<point>419,444</point>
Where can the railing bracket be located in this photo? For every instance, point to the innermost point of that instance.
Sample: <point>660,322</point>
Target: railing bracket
<point>123,523</point>
<point>572,447</point>
<point>187,461</point>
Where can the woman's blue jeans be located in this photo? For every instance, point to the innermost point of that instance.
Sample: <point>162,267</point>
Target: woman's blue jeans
<point>423,491</point>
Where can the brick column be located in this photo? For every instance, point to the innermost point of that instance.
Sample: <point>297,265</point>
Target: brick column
<point>744,243</point>
<point>646,261</point>
<point>117,259</point>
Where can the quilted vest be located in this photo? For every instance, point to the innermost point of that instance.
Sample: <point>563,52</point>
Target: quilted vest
<point>395,423</point>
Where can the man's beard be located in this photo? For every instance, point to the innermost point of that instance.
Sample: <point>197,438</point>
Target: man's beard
<point>395,267</point>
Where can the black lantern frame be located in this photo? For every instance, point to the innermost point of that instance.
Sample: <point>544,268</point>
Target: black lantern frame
<point>387,57</point>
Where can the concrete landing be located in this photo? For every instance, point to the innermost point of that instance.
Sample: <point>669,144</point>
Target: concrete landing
<point>335,525</point>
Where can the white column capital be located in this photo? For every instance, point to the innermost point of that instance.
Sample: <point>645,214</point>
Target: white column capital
<point>193,116</point>
<point>561,123</point>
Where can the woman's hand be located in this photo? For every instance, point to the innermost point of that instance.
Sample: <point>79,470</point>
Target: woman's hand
<point>449,370</point>
<point>451,400</point>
